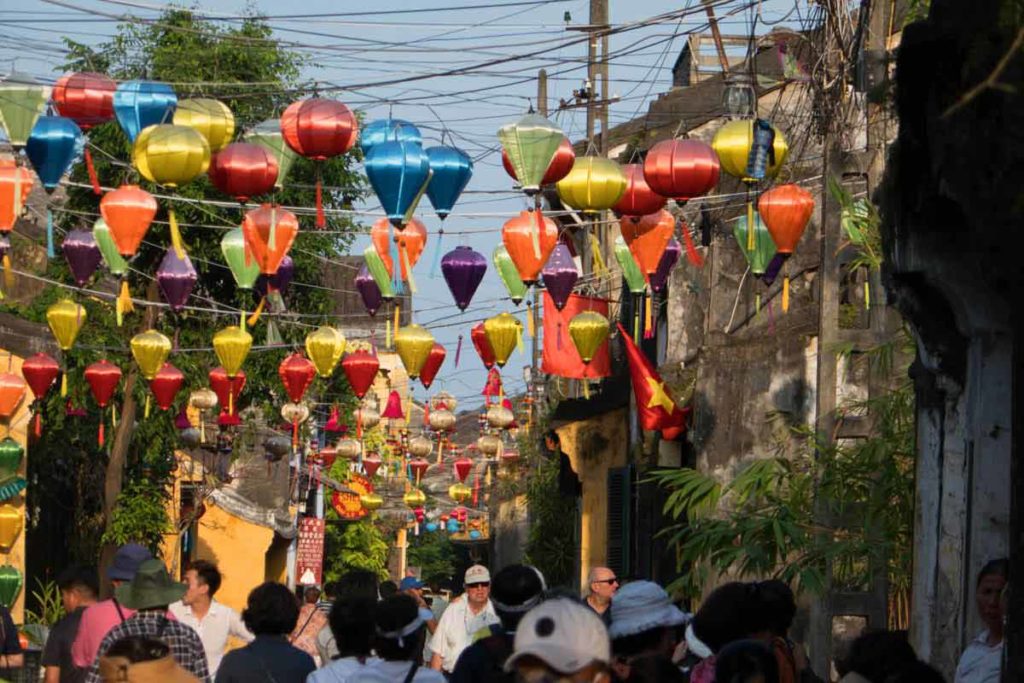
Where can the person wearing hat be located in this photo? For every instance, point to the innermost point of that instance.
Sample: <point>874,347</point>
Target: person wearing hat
<point>149,593</point>
<point>399,635</point>
<point>462,620</point>
<point>412,586</point>
<point>100,617</point>
<point>561,640</point>
<point>644,623</point>
<point>138,659</point>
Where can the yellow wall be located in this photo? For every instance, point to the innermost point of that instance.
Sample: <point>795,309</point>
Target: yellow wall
<point>18,430</point>
<point>593,446</point>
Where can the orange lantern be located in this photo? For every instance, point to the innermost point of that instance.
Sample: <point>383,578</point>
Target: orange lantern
<point>785,210</point>
<point>409,243</point>
<point>12,393</point>
<point>128,212</point>
<point>647,237</point>
<point>269,233</point>
<point>529,239</point>
<point>15,184</point>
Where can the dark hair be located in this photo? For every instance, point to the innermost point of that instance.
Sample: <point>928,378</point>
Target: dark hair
<point>654,669</point>
<point>733,611</point>
<point>746,660</point>
<point>517,585</point>
<point>352,624</point>
<point>553,435</point>
<point>138,649</point>
<point>915,672</point>
<point>876,654</point>
<point>208,573</point>
<point>998,567</point>
<point>271,610</point>
<point>358,583</point>
<point>637,643</point>
<point>311,594</point>
<point>779,605</point>
<point>394,614</point>
<point>81,579</point>
<point>387,589</point>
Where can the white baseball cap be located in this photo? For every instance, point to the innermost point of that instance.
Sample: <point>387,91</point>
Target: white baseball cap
<point>562,633</point>
<point>477,574</point>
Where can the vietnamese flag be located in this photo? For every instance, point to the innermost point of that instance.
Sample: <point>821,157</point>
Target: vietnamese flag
<point>654,404</point>
<point>560,355</point>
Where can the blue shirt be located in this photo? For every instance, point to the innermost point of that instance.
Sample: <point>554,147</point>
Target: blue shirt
<point>267,659</point>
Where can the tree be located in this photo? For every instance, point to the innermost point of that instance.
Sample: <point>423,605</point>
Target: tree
<point>354,545</point>
<point>434,554</point>
<point>550,546</point>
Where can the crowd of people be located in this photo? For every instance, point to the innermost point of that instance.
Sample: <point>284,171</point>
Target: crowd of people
<point>511,627</point>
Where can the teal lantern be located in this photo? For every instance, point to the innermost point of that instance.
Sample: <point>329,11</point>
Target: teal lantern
<point>399,173</point>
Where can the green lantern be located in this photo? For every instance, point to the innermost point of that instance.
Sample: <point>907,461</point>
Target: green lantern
<point>530,143</point>
<point>509,274</point>
<point>232,245</point>
<point>379,272</point>
<point>11,453</point>
<point>764,247</point>
<point>10,584</point>
<point>268,136</point>
<point>630,270</point>
<point>22,100</point>
<point>111,256</point>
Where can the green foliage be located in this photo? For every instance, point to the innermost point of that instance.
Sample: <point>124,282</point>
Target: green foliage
<point>862,224</point>
<point>354,545</point>
<point>140,516</point>
<point>434,554</point>
<point>550,545</point>
<point>50,605</point>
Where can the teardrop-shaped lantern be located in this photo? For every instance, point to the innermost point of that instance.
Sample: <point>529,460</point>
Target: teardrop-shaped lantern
<point>232,345</point>
<point>764,247</point>
<point>112,258</point>
<point>508,273</point>
<point>22,102</point>
<point>413,344</point>
<point>435,359</point>
<point>531,144</point>
<point>560,275</point>
<point>12,392</point>
<point>15,185</point>
<point>638,199</point>
<point>668,261</point>
<point>65,319</point>
<point>630,269</point>
<point>324,347</point>
<point>409,243</point>
<point>368,290</point>
<point>594,184</point>
<point>268,136</point>
<point>165,385</point>
<point>269,231</point>
<point>128,212</point>
<point>40,371</point>
<point>733,142</point>
<point>243,170</point>
<point>103,378</point>
<point>244,269</point>
<point>588,331</point>
<point>54,145</point>
<point>451,168</point>
<point>786,209</point>
<point>384,130</point>
<point>210,118</point>
<point>176,277</point>
<point>82,254</point>
<point>483,347</point>
<point>463,269</point>
<point>681,169</point>
<point>170,155</point>
<point>559,167</point>
<point>360,367</point>
<point>150,349</point>
<point>529,238</point>
<point>647,237</point>
<point>398,173</point>
<point>503,333</point>
<point>296,373</point>
<point>141,104</point>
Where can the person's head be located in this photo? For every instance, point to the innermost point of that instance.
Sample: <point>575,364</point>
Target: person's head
<point>357,584</point>
<point>733,611</point>
<point>311,595</point>
<point>478,586</point>
<point>644,622</point>
<point>988,593</point>
<point>352,623</point>
<point>121,657</point>
<point>516,590</point>
<point>779,606</point>
<point>387,589</point>
<point>152,588</point>
<point>203,579</point>
<point>271,610</point>
<point>561,640</point>
<point>552,441</point>
<point>603,583</point>
<point>399,628</point>
<point>79,586</point>
<point>654,669</point>
<point>746,661</point>
<point>412,586</point>
<point>126,562</point>
<point>877,654</point>
<point>330,590</point>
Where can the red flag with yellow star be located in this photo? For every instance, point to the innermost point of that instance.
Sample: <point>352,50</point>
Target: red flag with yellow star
<point>654,404</point>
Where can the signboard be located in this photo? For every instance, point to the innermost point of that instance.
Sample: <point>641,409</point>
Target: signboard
<point>348,505</point>
<point>309,555</point>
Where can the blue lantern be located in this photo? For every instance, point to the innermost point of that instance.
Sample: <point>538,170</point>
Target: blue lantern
<point>474,535</point>
<point>431,527</point>
<point>399,173</point>
<point>453,526</point>
<point>140,104</point>
<point>55,144</point>
<point>452,170</point>
<point>383,130</point>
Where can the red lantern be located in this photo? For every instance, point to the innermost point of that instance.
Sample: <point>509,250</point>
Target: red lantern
<point>269,233</point>
<point>393,409</point>
<point>88,100</point>
<point>328,454</point>
<point>128,212</point>
<point>559,167</point>
<point>460,513</point>
<point>40,371</point>
<point>785,210</point>
<point>647,237</point>
<point>435,359</point>
<point>681,169</point>
<point>483,347</point>
<point>529,238</point>
<point>360,368</point>
<point>462,467</point>
<point>103,378</point>
<point>166,384</point>
<point>243,170</point>
<point>371,464</point>
<point>296,372</point>
<point>418,467</point>
<point>228,389</point>
<point>410,242</point>
<point>638,199</point>
<point>12,392</point>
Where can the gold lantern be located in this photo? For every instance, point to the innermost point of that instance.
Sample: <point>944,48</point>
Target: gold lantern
<point>500,417</point>
<point>413,344</point>
<point>732,143</point>
<point>489,445</point>
<point>443,400</point>
<point>170,155</point>
<point>150,349</point>
<point>232,346</point>
<point>348,448</point>
<point>66,319</point>
<point>420,447</point>
<point>295,413</point>
<point>588,331</point>
<point>594,184</point>
<point>503,333</point>
<point>201,400</point>
<point>371,501</point>
<point>367,417</point>
<point>460,493</point>
<point>324,347</point>
<point>12,521</point>
<point>414,498</point>
<point>208,117</point>
<point>442,420</point>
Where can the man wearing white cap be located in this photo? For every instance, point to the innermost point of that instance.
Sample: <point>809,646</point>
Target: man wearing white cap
<point>462,620</point>
<point>561,640</point>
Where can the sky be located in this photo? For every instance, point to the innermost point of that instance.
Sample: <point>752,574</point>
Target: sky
<point>364,48</point>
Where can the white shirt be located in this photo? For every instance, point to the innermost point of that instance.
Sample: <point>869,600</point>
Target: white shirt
<point>340,670</point>
<point>214,628</point>
<point>456,629</point>
<point>980,662</point>
<point>382,671</point>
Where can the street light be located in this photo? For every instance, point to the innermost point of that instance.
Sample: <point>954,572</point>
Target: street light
<point>739,99</point>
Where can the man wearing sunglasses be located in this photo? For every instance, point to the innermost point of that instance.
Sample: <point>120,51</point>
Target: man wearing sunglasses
<point>464,617</point>
<point>603,584</point>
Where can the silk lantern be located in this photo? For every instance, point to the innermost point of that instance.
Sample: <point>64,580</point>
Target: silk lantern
<point>82,254</point>
<point>461,468</point>
<point>444,400</point>
<point>12,521</point>
<point>232,345</point>
<point>366,417</point>
<point>638,199</point>
<point>786,210</point>
<point>87,99</point>
<point>360,367</point>
<point>451,169</point>
<point>503,333</point>
<point>243,267</point>
<point>393,407</point>
<point>413,344</point>
<point>733,143</point>
<point>210,118</point>
<point>295,413</point>
<point>12,393</point>
<point>269,231</point>
<point>22,102</point>
<point>228,389</point>
<point>128,212</point>
<point>559,167</point>
<point>483,347</point>
<point>52,147</point>
<point>379,272</point>
<point>407,245</point>
<point>508,273</point>
<point>414,498</point>
<point>681,169</point>
<point>166,384</point>
<point>103,378</point>
<point>371,502</point>
<point>531,144</point>
<point>630,269</point>
<point>141,104</point>
<point>279,281</point>
<point>65,319</point>
<point>15,185</point>
<point>324,347</point>
<point>296,373</point>
<point>529,238</point>
<point>560,275</point>
<point>500,417</point>
<point>588,331</point>
<point>11,455</point>
<point>368,290</point>
<point>348,449</point>
<point>647,237</point>
<point>398,173</point>
<point>668,261</point>
<point>150,350</point>
<point>10,585</point>
<point>40,371</point>
<point>176,277</point>
<point>594,184</point>
<point>420,447</point>
<point>243,170</point>
<point>460,493</point>
<point>384,130</point>
<point>268,136</point>
<point>442,420</point>
<point>764,247</point>
<point>435,359</point>
<point>463,270</point>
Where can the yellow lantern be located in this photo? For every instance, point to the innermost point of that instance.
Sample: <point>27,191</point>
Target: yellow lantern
<point>325,347</point>
<point>371,501</point>
<point>489,445</point>
<point>500,417</point>
<point>414,498</point>
<point>413,344</point>
<point>232,346</point>
<point>460,493</point>
<point>170,155</point>
<point>420,446</point>
<point>150,349</point>
<point>66,319</point>
<point>588,330</point>
<point>594,184</point>
<point>12,521</point>
<point>503,332</point>
<point>348,448</point>
<point>210,118</point>
<point>732,143</point>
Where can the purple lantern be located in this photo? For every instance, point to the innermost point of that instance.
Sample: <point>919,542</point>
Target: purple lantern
<point>463,269</point>
<point>176,278</point>
<point>560,275</point>
<point>82,254</point>
<point>774,266</point>
<point>668,261</point>
<point>280,280</point>
<point>369,291</point>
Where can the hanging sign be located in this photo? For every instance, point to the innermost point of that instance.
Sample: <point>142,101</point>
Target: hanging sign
<point>347,503</point>
<point>309,555</point>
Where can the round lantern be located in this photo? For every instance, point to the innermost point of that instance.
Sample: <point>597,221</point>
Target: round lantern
<point>460,493</point>
<point>647,237</point>
<point>588,331</point>
<point>443,400</point>
<point>324,347</point>
<point>12,393</point>
<point>500,417</point>
<point>277,448</point>
<point>559,167</point>
<point>166,384</point>
<point>529,238</point>
<point>54,145</point>
<point>681,169</point>
<point>786,210</point>
<point>407,245</point>
<point>368,290</point>
<point>141,104</point>
<point>86,98</point>
<point>370,501</point>
<point>451,169</point>
<point>435,359</point>
<point>203,399</point>
<point>420,446</point>
<point>463,270</point>
<point>360,367</point>
<point>638,199</point>
<point>414,498</point>
<point>243,267</point>
<point>489,445</point>
<point>232,346</point>
<point>269,232</point>
<point>560,275</point>
<point>150,350</point>
<point>268,136</point>
<point>128,212</point>
<point>243,170</point>
<point>296,372</point>
<point>503,333</point>
<point>531,144</point>
<point>190,437</point>
<point>367,417</point>
<point>733,143</point>
<point>170,155</point>
<point>210,118</point>
<point>483,347</point>
<point>65,319</point>
<point>15,185</point>
<point>441,421</point>
<point>385,130</point>
<point>594,184</point>
<point>413,345</point>
<point>82,254</point>
<point>176,277</point>
<point>348,448</point>
<point>508,273</point>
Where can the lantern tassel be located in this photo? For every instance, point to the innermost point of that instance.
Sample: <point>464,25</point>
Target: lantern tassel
<point>586,388</point>
<point>595,249</point>
<point>531,325</point>
<point>648,326</point>
<point>437,254</point>
<point>179,247</point>
<point>145,413</point>
<point>692,255</point>
<point>63,384</point>
<point>50,252</point>
<point>387,334</point>
<point>785,294</point>
<point>535,232</point>
<point>321,220</point>
<point>8,273</point>
<point>636,323</point>
<point>867,293</point>
<point>751,229</point>
<point>398,319</point>
<point>458,351</point>
<point>407,267</point>
<point>757,304</point>
<point>38,423</point>
<point>124,303</point>
<point>93,178</point>
<point>256,314</point>
<point>100,436</point>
